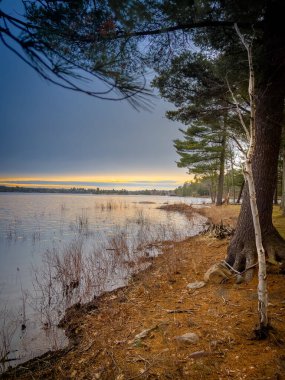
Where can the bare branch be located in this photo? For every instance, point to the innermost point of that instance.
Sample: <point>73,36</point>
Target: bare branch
<point>241,149</point>
<point>238,111</point>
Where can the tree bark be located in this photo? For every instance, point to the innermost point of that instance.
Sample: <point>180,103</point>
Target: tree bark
<point>283,181</point>
<point>276,194</point>
<point>212,190</point>
<point>240,192</point>
<point>221,178</point>
<point>269,116</point>
<point>232,176</point>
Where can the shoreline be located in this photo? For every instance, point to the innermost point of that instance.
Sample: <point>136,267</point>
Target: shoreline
<point>158,303</point>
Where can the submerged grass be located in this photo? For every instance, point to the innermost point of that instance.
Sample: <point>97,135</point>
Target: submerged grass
<point>82,270</point>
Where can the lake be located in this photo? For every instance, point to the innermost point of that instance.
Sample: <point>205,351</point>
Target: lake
<point>58,249</point>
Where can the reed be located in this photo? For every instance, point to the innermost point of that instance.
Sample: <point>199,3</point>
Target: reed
<point>81,224</point>
<point>8,327</point>
<point>73,274</point>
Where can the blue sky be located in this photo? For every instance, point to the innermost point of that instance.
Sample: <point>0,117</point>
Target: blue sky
<point>48,133</point>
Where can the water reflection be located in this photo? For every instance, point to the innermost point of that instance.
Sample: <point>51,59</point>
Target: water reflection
<point>57,249</point>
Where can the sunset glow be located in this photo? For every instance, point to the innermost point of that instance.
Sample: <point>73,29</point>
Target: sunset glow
<point>102,181</point>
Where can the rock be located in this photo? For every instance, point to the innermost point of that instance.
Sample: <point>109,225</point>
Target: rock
<point>199,354</point>
<point>143,334</point>
<point>217,274</point>
<point>188,338</point>
<point>196,285</point>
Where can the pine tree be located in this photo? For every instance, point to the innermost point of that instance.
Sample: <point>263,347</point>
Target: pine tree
<point>203,152</point>
<point>117,41</point>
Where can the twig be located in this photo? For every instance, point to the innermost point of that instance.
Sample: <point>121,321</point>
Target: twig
<point>231,268</point>
<point>179,311</point>
<point>237,273</point>
<point>250,267</point>
<point>110,353</point>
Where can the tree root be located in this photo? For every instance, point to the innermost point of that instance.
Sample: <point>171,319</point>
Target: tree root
<point>268,332</point>
<point>242,254</point>
<point>275,250</point>
<point>262,332</point>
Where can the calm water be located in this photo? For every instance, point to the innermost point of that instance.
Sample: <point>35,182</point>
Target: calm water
<point>37,228</point>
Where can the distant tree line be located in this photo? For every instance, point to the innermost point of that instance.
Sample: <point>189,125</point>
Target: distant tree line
<point>79,190</point>
<point>206,186</point>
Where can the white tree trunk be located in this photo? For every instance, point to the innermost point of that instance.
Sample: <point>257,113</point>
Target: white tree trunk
<point>250,132</point>
<point>262,277</point>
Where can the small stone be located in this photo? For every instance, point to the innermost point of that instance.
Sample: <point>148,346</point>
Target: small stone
<point>196,285</point>
<point>239,279</point>
<point>188,338</point>
<point>217,273</point>
<point>199,354</point>
<point>143,334</point>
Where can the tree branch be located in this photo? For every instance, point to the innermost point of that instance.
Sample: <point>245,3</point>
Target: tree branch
<point>179,27</point>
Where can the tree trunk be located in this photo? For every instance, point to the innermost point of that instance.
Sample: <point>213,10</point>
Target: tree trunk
<point>283,183</point>
<point>276,194</point>
<point>262,278</point>
<point>240,192</point>
<point>221,178</point>
<point>276,184</point>
<point>212,190</point>
<point>232,176</point>
<point>269,115</point>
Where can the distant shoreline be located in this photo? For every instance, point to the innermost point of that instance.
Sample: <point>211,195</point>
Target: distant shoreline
<point>77,190</point>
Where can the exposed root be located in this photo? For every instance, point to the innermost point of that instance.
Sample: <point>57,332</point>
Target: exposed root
<point>242,254</point>
<point>262,332</point>
<point>275,249</point>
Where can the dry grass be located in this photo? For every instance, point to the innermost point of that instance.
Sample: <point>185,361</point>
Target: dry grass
<point>183,208</point>
<point>72,274</point>
<point>8,327</point>
<point>225,214</point>
<point>279,220</point>
<point>223,316</point>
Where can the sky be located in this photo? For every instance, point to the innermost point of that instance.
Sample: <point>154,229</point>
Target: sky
<point>54,137</point>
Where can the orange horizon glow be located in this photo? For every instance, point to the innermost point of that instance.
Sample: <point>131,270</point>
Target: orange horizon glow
<point>100,178</point>
<point>114,179</point>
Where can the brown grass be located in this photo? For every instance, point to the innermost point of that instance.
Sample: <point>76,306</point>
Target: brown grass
<point>185,209</point>
<point>223,316</point>
<point>225,214</point>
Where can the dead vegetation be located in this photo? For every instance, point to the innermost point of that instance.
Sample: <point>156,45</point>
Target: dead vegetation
<point>132,332</point>
<point>220,219</point>
<point>183,208</point>
<point>135,332</point>
<point>219,231</point>
<point>225,214</point>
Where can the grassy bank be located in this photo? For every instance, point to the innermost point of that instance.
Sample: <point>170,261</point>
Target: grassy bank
<point>133,332</point>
